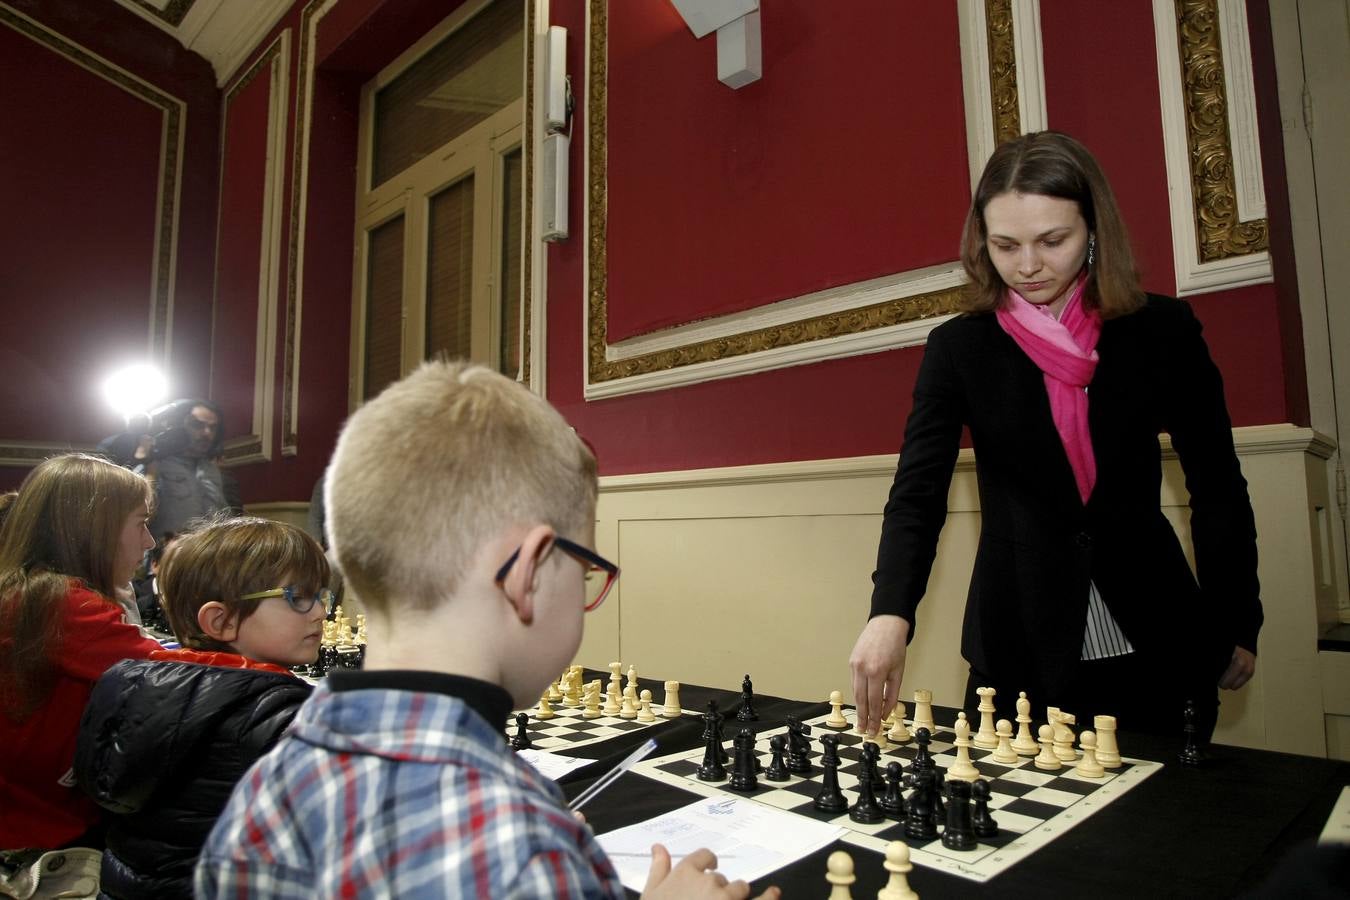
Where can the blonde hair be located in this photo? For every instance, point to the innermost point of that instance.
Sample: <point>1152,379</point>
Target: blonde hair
<point>1054,165</point>
<point>438,463</point>
<point>228,557</point>
<point>66,522</point>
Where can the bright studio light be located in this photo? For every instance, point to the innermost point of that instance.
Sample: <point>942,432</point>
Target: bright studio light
<point>134,389</point>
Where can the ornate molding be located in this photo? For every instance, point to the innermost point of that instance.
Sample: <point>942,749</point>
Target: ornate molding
<point>527,185</point>
<point>171,14</point>
<point>998,21</point>
<point>1206,113</point>
<point>1220,234</point>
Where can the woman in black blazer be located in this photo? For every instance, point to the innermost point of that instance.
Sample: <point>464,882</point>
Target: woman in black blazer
<point>1065,372</point>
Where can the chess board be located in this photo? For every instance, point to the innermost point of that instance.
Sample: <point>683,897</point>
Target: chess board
<point>1032,807</point>
<point>567,729</point>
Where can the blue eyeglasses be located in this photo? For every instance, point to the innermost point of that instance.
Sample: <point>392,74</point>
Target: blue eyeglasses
<point>300,604</point>
<point>594,563</point>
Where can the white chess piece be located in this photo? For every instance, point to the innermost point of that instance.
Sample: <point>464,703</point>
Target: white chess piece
<point>545,711</point>
<point>629,709</point>
<point>962,768</point>
<point>898,864</point>
<point>632,683</point>
<point>554,691</point>
<point>879,739</point>
<point>1088,766</point>
<point>645,707</point>
<point>1047,759</point>
<point>592,710</point>
<point>899,733</point>
<point>1063,739</point>
<point>615,692</point>
<point>923,711</point>
<point>671,708</point>
<point>836,719</point>
<point>1024,743</point>
<point>839,872</point>
<point>986,738</point>
<point>1108,754</point>
<point>1004,752</point>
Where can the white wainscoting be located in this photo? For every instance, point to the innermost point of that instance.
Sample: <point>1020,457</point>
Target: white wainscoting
<point>766,570</point>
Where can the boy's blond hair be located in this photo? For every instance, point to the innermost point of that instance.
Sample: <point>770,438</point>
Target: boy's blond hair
<point>439,463</point>
<point>227,558</point>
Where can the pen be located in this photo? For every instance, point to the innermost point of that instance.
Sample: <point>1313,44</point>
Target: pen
<point>606,779</point>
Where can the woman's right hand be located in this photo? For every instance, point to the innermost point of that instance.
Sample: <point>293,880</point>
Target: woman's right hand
<point>695,876</point>
<point>878,662</point>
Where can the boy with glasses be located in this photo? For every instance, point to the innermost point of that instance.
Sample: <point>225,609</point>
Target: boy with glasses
<point>162,744</point>
<point>460,509</point>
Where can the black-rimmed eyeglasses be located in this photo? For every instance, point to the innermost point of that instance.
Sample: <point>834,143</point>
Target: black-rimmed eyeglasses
<point>594,563</point>
<point>293,599</point>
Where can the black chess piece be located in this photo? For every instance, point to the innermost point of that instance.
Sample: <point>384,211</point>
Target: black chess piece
<point>712,768</point>
<point>743,771</point>
<point>777,771</point>
<point>871,768</point>
<point>830,799</point>
<point>923,759</point>
<point>985,826</point>
<point>919,824</point>
<point>747,711</point>
<point>866,809</point>
<point>798,747</point>
<point>718,718</point>
<point>960,831</point>
<point>1190,750</point>
<point>893,801</point>
<point>522,739</point>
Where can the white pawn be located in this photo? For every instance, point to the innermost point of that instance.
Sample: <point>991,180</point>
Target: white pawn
<point>986,738</point>
<point>1108,754</point>
<point>1024,743</point>
<point>836,719</point>
<point>923,711</point>
<point>645,711</point>
<point>961,768</point>
<point>879,739</point>
<point>1004,752</point>
<point>839,872</point>
<point>887,722</point>
<point>1047,759</point>
<point>554,691</point>
<point>898,864</point>
<point>545,711</point>
<point>899,733</point>
<point>671,708</point>
<point>629,709</point>
<point>1088,766</point>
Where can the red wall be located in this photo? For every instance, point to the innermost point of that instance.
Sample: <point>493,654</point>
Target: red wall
<point>79,168</point>
<point>845,162</point>
<point>1102,86</point>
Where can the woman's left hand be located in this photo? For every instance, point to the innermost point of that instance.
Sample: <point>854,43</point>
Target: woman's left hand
<point>1240,669</point>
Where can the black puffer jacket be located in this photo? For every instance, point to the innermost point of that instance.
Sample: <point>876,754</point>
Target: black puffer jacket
<point>161,745</point>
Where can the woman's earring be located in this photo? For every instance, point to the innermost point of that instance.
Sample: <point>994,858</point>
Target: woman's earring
<point>1092,249</point>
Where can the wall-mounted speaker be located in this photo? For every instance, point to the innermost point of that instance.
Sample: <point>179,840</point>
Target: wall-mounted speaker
<point>553,203</point>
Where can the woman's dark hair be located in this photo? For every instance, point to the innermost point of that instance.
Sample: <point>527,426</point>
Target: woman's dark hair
<point>1052,164</point>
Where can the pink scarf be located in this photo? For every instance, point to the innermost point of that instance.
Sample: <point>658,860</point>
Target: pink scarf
<point>1066,352</point>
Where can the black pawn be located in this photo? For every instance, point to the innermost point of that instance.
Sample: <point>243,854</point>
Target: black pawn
<point>919,824</point>
<point>985,826</point>
<point>522,739</point>
<point>893,802</point>
<point>743,772</point>
<point>866,809</point>
<point>1190,751</point>
<point>923,759</point>
<point>830,799</point>
<point>960,831</point>
<point>777,771</point>
<point>747,711</point>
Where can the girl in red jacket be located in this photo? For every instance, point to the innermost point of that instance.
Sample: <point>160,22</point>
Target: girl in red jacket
<point>76,531</point>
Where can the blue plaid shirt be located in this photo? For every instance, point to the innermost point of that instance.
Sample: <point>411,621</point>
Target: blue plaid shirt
<point>393,793</point>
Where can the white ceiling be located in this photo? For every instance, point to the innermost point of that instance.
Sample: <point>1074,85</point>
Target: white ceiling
<point>223,31</point>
